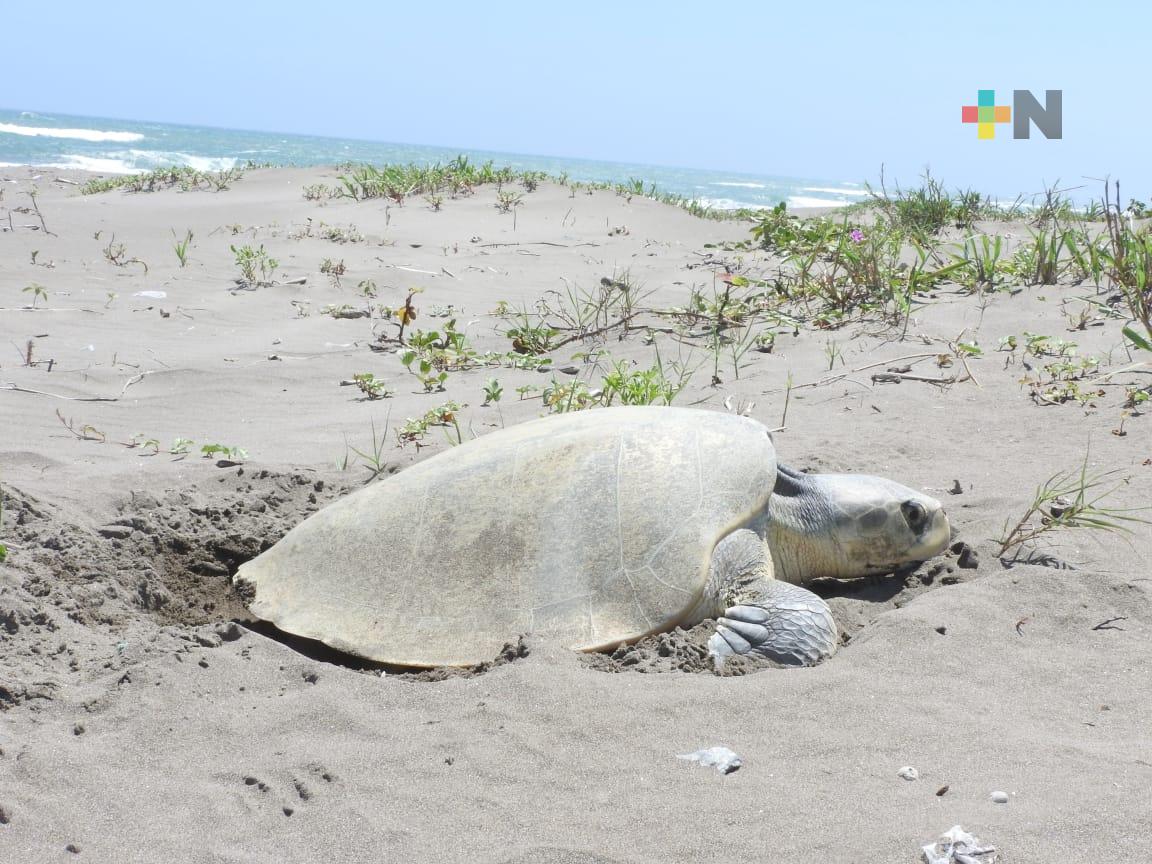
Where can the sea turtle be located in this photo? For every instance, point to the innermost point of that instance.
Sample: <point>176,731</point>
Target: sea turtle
<point>596,528</point>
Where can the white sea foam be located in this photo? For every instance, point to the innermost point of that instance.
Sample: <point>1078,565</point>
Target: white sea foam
<point>740,185</point>
<point>92,163</point>
<point>808,201</point>
<point>151,159</point>
<point>137,162</point>
<point>834,191</point>
<point>77,134</point>
<point>729,204</point>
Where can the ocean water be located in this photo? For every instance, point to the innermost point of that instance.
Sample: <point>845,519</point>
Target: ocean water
<point>127,146</point>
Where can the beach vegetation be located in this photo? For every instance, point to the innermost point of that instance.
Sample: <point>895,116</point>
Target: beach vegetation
<point>979,256</point>
<point>371,386</point>
<point>506,200</point>
<point>318,192</point>
<point>181,446</point>
<point>137,440</point>
<point>1127,257</point>
<point>374,456</point>
<point>255,264</point>
<point>626,385</point>
<point>117,253</point>
<point>927,209</point>
<point>338,234</point>
<point>181,246</point>
<point>82,432</point>
<point>493,390</point>
<point>333,270</point>
<point>38,292</point>
<point>414,429</point>
<point>186,178</point>
<point>222,451</point>
<point>1069,500</point>
<point>460,177</point>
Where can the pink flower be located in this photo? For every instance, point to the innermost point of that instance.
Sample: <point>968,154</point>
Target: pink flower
<point>857,235</point>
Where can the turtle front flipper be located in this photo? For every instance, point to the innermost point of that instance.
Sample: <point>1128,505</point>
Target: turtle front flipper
<point>783,622</point>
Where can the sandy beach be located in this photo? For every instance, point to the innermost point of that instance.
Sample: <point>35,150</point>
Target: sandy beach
<point>146,716</point>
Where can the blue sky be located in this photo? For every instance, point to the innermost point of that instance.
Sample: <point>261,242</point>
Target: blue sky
<point>828,90</point>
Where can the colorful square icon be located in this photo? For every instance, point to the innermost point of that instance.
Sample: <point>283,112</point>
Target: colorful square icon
<point>985,114</point>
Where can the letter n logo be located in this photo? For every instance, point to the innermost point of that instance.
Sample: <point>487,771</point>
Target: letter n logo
<point>1049,118</point>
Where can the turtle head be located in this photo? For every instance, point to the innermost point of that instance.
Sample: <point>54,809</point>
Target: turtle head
<point>849,525</point>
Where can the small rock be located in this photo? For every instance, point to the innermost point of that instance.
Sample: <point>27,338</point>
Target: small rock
<point>569,369</point>
<point>720,758</point>
<point>956,489</point>
<point>999,797</point>
<point>311,677</point>
<point>78,729</point>
<point>968,559</point>
<point>908,773</point>
<point>5,816</point>
<point>74,848</point>
<point>942,630</point>
<point>115,532</point>
<point>206,641</point>
<point>229,631</point>
<point>202,663</point>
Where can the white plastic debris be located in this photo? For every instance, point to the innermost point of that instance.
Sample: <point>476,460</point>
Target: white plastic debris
<point>151,295</point>
<point>957,846</point>
<point>908,773</point>
<point>720,758</point>
<point>999,797</point>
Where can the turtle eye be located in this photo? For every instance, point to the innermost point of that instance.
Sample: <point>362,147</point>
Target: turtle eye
<point>916,515</point>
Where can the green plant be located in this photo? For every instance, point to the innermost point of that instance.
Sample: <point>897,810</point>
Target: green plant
<point>833,352</point>
<point>256,265</point>
<point>530,338</point>
<point>371,386</point>
<point>1040,262</point>
<point>336,234</point>
<point>181,446</point>
<point>233,453</point>
<point>1068,500</point>
<point>506,200</point>
<point>374,457</point>
<point>923,210</point>
<point>493,390</point>
<point>639,386</point>
<point>185,177</point>
<point>38,292</point>
<point>181,247</point>
<point>432,378</point>
<point>416,428</point>
<point>979,261</point>
<point>574,395</point>
<point>1128,260</point>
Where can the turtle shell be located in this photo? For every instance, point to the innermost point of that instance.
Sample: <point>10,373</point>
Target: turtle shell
<point>594,528</point>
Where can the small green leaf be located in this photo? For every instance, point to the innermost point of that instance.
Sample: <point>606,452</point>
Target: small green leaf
<point>1136,339</point>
